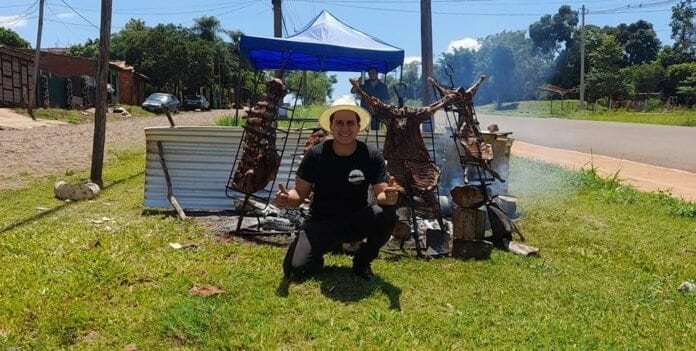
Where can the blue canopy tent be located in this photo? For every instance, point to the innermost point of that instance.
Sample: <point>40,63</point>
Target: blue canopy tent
<point>326,44</point>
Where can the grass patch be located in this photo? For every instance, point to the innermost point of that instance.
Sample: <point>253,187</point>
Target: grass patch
<point>87,116</point>
<point>57,114</point>
<point>137,111</point>
<point>606,279</point>
<point>568,110</point>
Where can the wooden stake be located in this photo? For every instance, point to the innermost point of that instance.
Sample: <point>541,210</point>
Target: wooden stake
<point>170,192</point>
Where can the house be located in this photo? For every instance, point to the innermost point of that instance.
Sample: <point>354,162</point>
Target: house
<point>75,76</point>
<point>131,84</point>
<point>15,76</point>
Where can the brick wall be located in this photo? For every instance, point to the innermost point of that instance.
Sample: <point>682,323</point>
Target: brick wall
<point>67,66</point>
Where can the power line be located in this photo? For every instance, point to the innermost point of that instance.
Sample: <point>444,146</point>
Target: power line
<point>79,14</point>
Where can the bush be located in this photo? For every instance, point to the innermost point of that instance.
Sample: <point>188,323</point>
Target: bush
<point>603,101</point>
<point>653,104</point>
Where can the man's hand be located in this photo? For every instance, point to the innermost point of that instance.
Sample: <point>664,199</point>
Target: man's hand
<point>390,193</point>
<point>282,197</point>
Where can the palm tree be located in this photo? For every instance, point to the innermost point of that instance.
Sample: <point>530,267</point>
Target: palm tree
<point>206,27</point>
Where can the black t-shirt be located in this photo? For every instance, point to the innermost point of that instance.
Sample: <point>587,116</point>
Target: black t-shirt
<point>340,182</point>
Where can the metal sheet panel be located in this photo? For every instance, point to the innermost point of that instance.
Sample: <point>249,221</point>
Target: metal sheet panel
<point>200,159</point>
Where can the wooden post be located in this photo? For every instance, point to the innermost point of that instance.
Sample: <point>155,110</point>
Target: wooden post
<point>102,78</point>
<point>468,223</point>
<point>32,88</point>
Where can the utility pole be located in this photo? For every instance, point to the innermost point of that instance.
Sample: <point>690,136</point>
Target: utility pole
<point>426,51</point>
<point>278,27</point>
<point>581,103</point>
<point>32,89</point>
<point>277,18</point>
<point>102,79</point>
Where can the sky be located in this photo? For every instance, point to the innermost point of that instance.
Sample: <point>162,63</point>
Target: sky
<point>456,23</point>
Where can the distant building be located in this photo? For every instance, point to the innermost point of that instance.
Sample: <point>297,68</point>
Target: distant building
<point>15,76</point>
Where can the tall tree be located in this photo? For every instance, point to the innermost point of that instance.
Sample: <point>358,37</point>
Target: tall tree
<point>463,63</point>
<point>605,78</point>
<point>206,27</point>
<point>550,31</point>
<point>684,28</point>
<point>640,42</point>
<point>11,38</point>
<point>501,68</point>
<point>319,86</point>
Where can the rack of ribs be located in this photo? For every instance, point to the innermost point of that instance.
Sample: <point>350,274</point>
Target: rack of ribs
<point>260,159</point>
<point>468,131</point>
<point>407,157</point>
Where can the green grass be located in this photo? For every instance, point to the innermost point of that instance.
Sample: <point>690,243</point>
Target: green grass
<point>607,278</point>
<point>77,117</point>
<point>568,110</point>
<point>56,114</point>
<point>301,112</point>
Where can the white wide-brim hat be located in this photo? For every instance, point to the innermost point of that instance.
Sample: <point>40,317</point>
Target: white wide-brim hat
<point>345,103</point>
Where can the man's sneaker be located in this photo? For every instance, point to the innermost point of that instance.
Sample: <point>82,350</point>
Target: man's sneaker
<point>363,271</point>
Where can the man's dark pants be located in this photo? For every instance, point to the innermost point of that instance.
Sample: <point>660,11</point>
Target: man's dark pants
<point>372,222</point>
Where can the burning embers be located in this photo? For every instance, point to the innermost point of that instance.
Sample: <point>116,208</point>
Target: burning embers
<point>260,158</point>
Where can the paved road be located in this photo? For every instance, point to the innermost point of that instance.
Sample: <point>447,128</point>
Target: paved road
<point>666,146</point>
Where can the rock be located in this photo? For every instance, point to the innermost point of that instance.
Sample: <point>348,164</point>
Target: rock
<point>687,287</point>
<point>81,191</point>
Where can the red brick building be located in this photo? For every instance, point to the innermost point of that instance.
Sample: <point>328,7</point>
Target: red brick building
<point>131,84</point>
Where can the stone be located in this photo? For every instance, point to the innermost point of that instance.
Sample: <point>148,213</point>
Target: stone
<point>80,191</point>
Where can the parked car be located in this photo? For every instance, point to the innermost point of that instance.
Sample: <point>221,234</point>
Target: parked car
<point>156,101</point>
<point>192,102</point>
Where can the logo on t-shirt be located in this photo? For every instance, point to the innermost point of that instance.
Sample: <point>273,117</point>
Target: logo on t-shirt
<point>356,176</point>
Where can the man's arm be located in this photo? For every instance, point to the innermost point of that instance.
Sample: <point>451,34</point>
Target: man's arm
<point>295,196</point>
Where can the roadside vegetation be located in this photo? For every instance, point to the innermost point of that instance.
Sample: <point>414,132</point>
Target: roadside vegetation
<point>86,116</point>
<point>101,275</point>
<point>568,110</point>
<point>301,112</point>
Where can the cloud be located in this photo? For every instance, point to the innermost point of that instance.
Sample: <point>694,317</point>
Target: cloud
<point>410,59</point>
<point>65,15</point>
<point>13,22</point>
<point>466,43</point>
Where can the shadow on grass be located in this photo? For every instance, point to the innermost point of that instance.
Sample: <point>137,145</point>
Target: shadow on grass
<point>62,206</point>
<point>339,284</point>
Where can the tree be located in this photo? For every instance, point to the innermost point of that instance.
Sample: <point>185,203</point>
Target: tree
<point>501,68</point>
<point>605,78</point>
<point>463,63</point>
<point>684,29</point>
<point>640,42</point>
<point>90,49</point>
<point>679,75</point>
<point>318,86</point>
<point>526,68</point>
<point>11,38</point>
<point>206,27</point>
<point>550,31</point>
<point>647,78</point>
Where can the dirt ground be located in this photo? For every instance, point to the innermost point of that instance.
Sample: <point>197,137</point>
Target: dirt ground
<point>10,120</point>
<point>31,149</point>
<point>35,151</point>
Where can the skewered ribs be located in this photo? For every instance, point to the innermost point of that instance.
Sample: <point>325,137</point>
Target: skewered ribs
<point>407,157</point>
<point>260,159</point>
<point>468,132</point>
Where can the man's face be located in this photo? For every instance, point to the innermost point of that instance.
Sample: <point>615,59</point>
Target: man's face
<point>372,74</point>
<point>345,126</point>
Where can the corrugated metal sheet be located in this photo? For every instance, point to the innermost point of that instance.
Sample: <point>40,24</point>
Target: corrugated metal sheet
<point>200,159</point>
